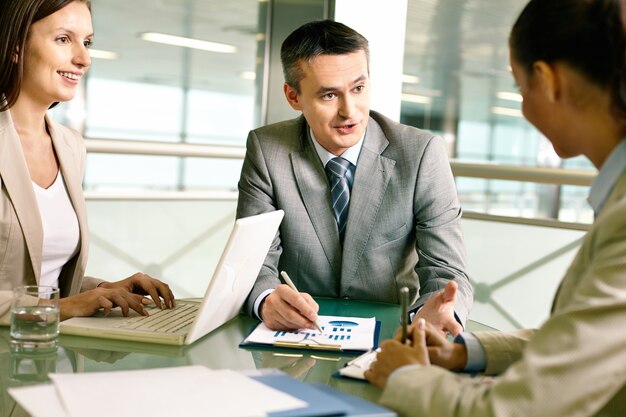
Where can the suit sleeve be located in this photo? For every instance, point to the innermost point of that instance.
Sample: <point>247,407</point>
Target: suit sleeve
<point>256,196</point>
<point>502,349</point>
<point>572,366</point>
<point>439,240</point>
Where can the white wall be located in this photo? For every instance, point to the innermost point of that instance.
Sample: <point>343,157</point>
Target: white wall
<point>384,25</point>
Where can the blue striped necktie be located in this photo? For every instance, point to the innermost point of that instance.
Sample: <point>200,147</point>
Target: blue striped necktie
<point>340,176</point>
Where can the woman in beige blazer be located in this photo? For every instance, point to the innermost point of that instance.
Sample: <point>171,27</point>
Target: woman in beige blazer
<point>568,59</point>
<point>43,55</point>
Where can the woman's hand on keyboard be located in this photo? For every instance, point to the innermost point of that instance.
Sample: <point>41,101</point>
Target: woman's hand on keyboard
<point>88,302</point>
<point>144,284</point>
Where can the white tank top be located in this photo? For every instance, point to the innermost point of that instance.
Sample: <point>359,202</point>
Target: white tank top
<point>60,229</point>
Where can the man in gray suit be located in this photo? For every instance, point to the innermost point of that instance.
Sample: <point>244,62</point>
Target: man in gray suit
<point>382,216</point>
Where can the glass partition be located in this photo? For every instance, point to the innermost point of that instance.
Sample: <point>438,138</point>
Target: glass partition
<point>515,269</point>
<point>177,241</point>
<point>170,71</point>
<point>457,83</point>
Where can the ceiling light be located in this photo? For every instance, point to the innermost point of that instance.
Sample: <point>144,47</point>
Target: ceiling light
<point>248,75</point>
<point>414,98</point>
<point>506,95</point>
<point>188,42</point>
<point>410,79</point>
<point>507,111</point>
<point>98,53</point>
<point>428,92</point>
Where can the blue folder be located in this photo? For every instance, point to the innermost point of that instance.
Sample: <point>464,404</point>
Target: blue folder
<point>322,400</point>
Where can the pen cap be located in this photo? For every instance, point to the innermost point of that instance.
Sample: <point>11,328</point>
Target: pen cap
<point>404,296</point>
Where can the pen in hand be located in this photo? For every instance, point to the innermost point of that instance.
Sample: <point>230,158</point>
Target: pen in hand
<point>291,285</point>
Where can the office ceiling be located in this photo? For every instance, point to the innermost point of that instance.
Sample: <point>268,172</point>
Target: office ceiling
<point>452,45</point>
<point>459,49</point>
<point>118,23</point>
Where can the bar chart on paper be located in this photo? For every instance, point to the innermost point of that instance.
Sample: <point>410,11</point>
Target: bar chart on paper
<point>341,333</point>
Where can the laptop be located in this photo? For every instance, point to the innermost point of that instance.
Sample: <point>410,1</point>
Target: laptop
<point>233,278</point>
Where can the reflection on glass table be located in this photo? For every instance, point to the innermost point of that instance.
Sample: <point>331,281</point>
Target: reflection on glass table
<point>218,350</point>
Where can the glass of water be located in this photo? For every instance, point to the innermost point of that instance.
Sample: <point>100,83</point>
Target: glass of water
<point>34,318</point>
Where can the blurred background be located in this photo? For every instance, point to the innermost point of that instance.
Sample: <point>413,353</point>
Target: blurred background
<point>175,86</point>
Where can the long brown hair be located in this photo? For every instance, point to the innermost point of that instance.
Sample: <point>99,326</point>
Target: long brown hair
<point>16,18</point>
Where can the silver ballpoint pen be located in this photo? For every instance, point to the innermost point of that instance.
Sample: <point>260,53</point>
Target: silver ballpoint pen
<point>289,282</point>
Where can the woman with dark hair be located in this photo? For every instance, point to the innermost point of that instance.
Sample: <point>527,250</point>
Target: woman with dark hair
<point>568,58</point>
<point>43,226</point>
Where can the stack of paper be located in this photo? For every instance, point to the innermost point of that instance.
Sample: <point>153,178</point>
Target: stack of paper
<point>187,391</point>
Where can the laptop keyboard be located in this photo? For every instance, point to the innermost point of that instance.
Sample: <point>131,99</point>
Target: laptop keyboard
<point>164,321</point>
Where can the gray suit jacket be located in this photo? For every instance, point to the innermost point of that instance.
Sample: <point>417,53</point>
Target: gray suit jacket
<point>403,221</point>
<point>21,232</point>
<point>573,366</point>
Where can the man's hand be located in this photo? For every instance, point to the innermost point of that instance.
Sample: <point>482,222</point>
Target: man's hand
<point>393,355</point>
<point>286,309</point>
<point>438,310</point>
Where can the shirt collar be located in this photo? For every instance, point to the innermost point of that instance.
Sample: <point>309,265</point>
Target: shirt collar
<point>609,173</point>
<point>351,154</point>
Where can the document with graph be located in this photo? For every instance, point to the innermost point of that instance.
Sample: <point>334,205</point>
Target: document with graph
<point>338,333</point>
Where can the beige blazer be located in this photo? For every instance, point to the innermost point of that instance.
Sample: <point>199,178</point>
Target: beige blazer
<point>573,366</point>
<point>21,233</point>
<point>403,224</point>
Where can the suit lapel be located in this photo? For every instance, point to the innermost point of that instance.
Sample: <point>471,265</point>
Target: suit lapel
<point>16,179</point>
<point>72,177</point>
<point>314,191</point>
<point>370,183</point>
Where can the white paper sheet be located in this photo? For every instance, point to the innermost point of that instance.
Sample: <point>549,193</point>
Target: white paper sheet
<point>348,333</point>
<point>356,367</point>
<point>187,391</point>
<point>39,400</point>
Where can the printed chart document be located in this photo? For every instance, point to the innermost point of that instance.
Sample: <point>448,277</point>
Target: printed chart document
<point>339,333</point>
<point>188,391</point>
